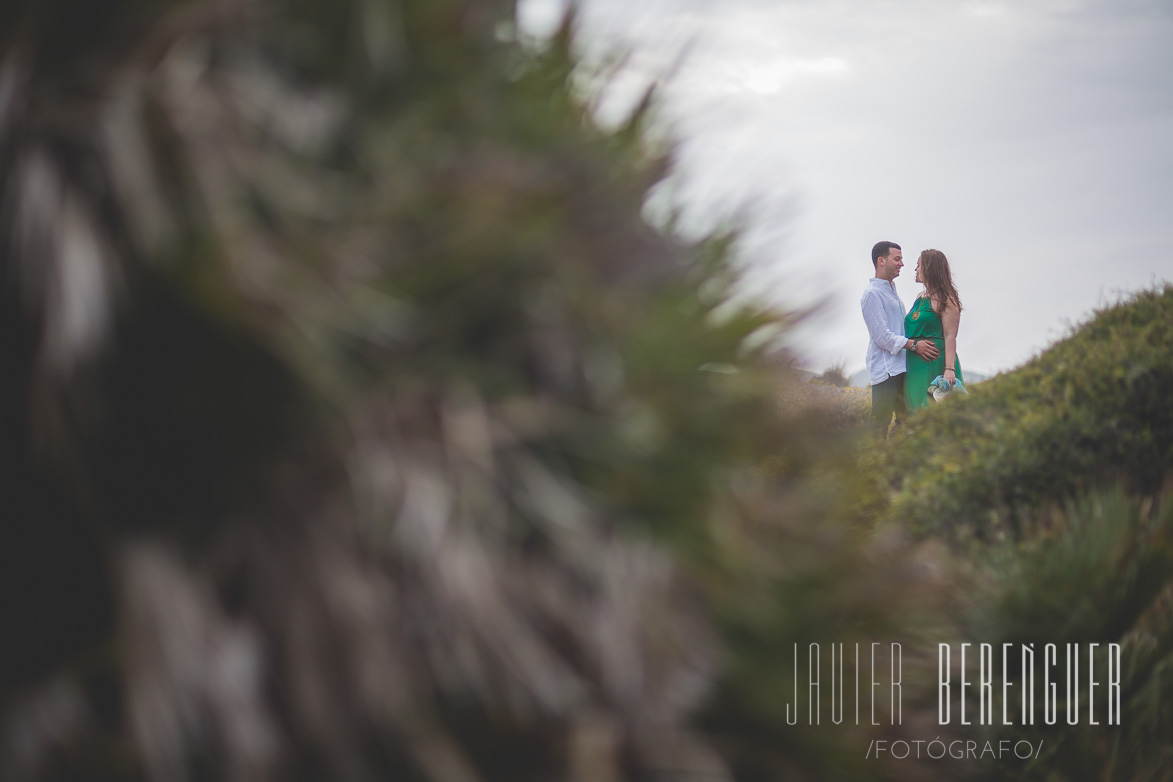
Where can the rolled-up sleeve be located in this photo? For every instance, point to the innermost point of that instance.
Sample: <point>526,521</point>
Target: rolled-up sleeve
<point>873,316</point>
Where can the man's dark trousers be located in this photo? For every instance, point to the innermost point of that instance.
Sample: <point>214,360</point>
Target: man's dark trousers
<point>888,398</point>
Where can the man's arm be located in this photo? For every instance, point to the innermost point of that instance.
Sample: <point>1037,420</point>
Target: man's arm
<point>873,317</point>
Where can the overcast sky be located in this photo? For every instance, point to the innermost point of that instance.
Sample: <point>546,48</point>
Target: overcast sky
<point>1031,142</point>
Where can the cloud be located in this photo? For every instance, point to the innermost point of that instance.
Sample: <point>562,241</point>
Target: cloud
<point>1029,141</point>
<point>770,77</point>
<point>986,10</point>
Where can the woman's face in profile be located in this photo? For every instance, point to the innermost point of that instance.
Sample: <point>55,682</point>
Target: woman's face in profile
<point>918,279</point>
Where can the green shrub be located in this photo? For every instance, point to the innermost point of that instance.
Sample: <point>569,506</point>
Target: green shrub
<point>1097,570</point>
<point>1094,409</point>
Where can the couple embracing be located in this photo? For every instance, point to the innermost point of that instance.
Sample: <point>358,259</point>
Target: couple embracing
<point>907,352</point>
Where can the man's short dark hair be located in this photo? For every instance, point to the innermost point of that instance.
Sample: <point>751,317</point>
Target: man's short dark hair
<point>882,249</point>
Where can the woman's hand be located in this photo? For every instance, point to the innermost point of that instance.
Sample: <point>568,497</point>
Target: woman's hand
<point>950,375</point>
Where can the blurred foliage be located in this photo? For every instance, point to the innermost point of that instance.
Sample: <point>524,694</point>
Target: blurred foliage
<point>1092,410</point>
<point>836,375</point>
<point>358,425</point>
<point>1097,570</point>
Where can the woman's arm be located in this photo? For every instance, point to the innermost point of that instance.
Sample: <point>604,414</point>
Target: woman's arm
<point>950,321</point>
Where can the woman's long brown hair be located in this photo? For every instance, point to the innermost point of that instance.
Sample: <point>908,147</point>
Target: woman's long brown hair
<point>934,270</point>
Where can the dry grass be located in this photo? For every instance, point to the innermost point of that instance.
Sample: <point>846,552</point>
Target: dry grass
<point>846,408</point>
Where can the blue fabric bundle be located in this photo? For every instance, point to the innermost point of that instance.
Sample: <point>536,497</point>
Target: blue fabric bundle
<point>941,388</point>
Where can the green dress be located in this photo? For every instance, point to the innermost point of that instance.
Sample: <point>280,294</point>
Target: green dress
<point>922,323</point>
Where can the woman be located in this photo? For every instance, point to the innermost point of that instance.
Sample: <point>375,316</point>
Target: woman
<point>934,316</point>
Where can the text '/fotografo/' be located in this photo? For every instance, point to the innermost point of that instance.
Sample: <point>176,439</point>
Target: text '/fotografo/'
<point>957,749</point>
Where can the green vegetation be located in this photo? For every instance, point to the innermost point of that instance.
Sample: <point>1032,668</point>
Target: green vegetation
<point>1093,410</point>
<point>1098,570</point>
<point>1050,484</point>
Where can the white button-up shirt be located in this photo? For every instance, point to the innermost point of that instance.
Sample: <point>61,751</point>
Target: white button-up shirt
<point>883,312</point>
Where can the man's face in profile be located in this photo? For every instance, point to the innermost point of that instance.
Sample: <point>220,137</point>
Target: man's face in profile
<point>888,266</point>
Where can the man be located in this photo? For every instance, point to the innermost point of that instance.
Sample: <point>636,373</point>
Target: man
<point>883,312</point>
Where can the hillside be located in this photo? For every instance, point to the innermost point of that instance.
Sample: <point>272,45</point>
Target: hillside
<point>1090,411</point>
<point>1049,486</point>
